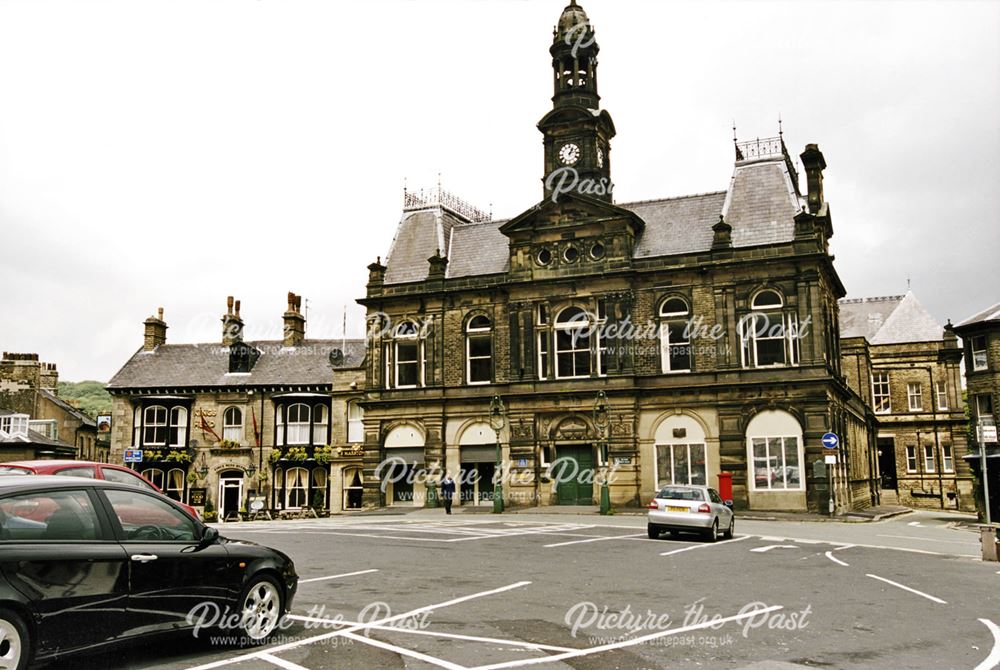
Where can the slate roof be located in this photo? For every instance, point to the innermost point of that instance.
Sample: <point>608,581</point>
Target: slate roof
<point>760,205</point>
<point>888,320</point>
<point>989,314</point>
<point>207,365</point>
<point>65,406</point>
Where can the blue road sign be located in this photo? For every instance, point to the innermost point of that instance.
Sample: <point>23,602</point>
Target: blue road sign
<point>133,455</point>
<point>830,440</point>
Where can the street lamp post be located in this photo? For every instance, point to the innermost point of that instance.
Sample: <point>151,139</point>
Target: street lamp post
<point>497,421</point>
<point>601,421</point>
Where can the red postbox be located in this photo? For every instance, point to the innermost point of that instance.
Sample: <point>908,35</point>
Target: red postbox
<point>726,485</point>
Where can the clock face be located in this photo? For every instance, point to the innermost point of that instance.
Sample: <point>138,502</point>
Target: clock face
<point>569,154</point>
<point>600,157</point>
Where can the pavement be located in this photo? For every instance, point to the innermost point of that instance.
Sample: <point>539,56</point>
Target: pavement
<point>557,590</point>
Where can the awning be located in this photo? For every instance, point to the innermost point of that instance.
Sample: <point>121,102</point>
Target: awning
<point>479,453</point>
<point>411,455</point>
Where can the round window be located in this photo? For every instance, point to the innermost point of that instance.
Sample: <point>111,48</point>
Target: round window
<point>597,251</point>
<point>571,255</point>
<point>544,257</point>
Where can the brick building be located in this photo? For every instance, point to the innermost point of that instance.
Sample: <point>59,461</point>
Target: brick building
<point>981,343</point>
<point>29,388</point>
<point>239,421</point>
<point>908,369</point>
<point>710,322</point>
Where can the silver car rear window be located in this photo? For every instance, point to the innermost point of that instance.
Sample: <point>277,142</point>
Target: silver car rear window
<point>675,493</point>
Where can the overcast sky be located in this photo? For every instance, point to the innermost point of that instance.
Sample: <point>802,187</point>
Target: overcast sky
<point>173,153</point>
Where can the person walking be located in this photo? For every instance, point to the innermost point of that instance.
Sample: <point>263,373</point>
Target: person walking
<point>447,491</point>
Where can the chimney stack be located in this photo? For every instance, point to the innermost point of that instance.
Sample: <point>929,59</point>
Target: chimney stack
<point>232,324</point>
<point>156,331</point>
<point>814,163</point>
<point>295,323</point>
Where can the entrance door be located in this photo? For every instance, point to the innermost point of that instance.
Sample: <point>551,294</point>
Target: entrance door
<point>230,496</point>
<point>476,484</point>
<point>574,472</point>
<point>402,483</point>
<point>887,462</point>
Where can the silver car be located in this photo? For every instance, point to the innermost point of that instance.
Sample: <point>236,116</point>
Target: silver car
<point>697,509</point>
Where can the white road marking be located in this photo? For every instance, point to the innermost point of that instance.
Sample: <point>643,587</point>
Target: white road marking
<point>403,651</point>
<point>353,629</point>
<point>281,663</point>
<point>836,560</point>
<point>928,539</point>
<point>917,524</point>
<point>628,643</point>
<point>907,588</point>
<point>593,539</point>
<point>871,546</point>
<point>431,633</point>
<point>993,660</point>
<point>845,546</point>
<point>700,546</point>
<point>761,550</point>
<point>346,574</point>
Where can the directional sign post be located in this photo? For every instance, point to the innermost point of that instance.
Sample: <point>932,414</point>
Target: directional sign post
<point>133,455</point>
<point>831,441</point>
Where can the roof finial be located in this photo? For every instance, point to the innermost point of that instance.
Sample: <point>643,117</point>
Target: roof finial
<point>734,131</point>
<point>907,282</point>
<point>779,124</point>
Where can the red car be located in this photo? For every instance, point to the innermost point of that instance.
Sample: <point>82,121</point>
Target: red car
<point>88,469</point>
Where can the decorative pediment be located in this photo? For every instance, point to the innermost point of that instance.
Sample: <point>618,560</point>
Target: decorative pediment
<point>569,209</point>
<point>573,428</point>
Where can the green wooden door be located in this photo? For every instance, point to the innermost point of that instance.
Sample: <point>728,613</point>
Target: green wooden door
<point>576,477</point>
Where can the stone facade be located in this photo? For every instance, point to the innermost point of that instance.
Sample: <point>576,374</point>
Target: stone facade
<point>664,306</point>
<point>981,346</point>
<point>238,423</point>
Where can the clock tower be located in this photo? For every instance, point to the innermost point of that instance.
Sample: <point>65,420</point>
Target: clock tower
<point>577,132</point>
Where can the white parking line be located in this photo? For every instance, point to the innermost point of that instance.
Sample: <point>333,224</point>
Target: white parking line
<point>353,629</point>
<point>593,539</point>
<point>699,546</point>
<point>346,574</point>
<point>449,636</point>
<point>928,539</point>
<point>907,588</point>
<point>993,660</point>
<point>836,560</point>
<point>282,663</point>
<point>403,651</point>
<point>628,643</point>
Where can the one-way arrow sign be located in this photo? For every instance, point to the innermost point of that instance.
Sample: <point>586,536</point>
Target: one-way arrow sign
<point>830,440</point>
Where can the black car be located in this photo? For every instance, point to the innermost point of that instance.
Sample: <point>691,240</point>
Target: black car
<point>86,563</point>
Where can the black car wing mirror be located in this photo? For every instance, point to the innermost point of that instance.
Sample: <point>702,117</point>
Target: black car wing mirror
<point>209,536</point>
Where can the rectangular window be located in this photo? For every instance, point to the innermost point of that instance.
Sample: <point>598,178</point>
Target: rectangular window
<point>480,370</point>
<point>929,464</point>
<point>881,399</point>
<point>676,347</point>
<point>407,363</point>
<point>769,339</point>
<point>542,315</point>
<point>914,396</point>
<point>942,395</point>
<point>776,463</point>
<point>543,354</point>
<point>682,464</point>
<point>911,458</point>
<point>978,347</point>
<point>947,462</point>
<point>572,353</point>
<point>984,406</point>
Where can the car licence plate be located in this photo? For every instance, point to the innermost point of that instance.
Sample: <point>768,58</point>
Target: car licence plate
<point>677,509</point>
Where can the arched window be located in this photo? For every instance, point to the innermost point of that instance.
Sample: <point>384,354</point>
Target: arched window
<point>355,423</point>
<point>321,420</point>
<point>675,339</point>
<point>407,356</point>
<point>232,424</point>
<point>769,332</point>
<point>175,484</point>
<point>154,421</point>
<point>479,350</point>
<point>156,476</point>
<point>318,488</point>
<point>296,488</point>
<point>178,427</point>
<point>573,332</point>
<point>297,424</point>
<point>680,452</point>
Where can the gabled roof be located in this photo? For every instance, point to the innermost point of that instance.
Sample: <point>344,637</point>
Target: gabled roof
<point>65,406</point>
<point>207,365</point>
<point>760,204</point>
<point>991,313</point>
<point>888,320</point>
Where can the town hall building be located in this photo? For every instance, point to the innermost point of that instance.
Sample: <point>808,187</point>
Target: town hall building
<point>663,341</point>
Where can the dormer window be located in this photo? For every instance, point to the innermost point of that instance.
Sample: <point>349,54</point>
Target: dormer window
<point>242,357</point>
<point>14,425</point>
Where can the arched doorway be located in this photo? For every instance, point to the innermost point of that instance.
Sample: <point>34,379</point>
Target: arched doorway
<point>403,453</point>
<point>477,451</point>
<point>230,494</point>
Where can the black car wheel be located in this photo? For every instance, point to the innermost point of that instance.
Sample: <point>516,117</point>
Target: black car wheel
<point>15,646</point>
<point>713,533</point>
<point>652,531</point>
<point>261,607</point>
<point>732,528</point>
